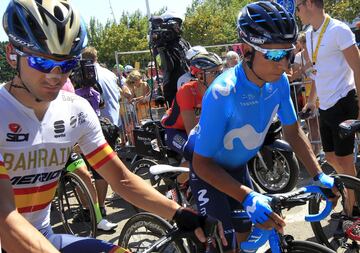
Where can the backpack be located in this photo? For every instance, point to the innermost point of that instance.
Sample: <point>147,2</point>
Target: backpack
<point>110,131</point>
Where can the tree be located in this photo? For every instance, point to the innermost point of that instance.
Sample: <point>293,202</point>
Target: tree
<point>346,10</point>
<point>6,71</point>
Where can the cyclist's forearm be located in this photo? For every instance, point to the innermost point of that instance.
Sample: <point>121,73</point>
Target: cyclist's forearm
<point>302,148</point>
<point>136,191</point>
<point>18,235</point>
<point>217,177</point>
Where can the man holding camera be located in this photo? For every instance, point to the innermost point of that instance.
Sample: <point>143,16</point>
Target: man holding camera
<point>166,40</point>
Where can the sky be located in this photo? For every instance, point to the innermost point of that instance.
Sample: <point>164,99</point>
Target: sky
<point>101,8</point>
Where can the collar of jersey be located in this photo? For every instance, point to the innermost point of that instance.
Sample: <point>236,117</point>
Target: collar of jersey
<point>242,79</point>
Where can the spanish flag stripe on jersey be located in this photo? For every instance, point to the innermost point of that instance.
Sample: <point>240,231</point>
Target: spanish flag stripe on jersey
<point>35,189</point>
<point>30,209</point>
<point>3,171</point>
<point>88,156</point>
<point>34,199</point>
<point>118,249</point>
<point>100,156</point>
<point>4,177</point>
<point>103,161</point>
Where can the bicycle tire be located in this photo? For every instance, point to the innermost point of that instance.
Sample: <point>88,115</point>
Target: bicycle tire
<point>305,247</point>
<point>291,164</point>
<point>155,227</point>
<point>141,169</point>
<point>71,206</point>
<point>314,206</point>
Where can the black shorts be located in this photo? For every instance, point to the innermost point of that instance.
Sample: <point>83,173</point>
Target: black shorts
<point>344,109</point>
<point>211,201</point>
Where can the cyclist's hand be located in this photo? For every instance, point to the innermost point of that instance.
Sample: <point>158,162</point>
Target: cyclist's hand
<point>257,207</point>
<point>326,181</point>
<point>188,220</point>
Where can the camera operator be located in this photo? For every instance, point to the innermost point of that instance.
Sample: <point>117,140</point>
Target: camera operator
<point>166,40</point>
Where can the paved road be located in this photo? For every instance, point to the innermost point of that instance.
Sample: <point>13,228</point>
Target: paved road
<point>119,211</point>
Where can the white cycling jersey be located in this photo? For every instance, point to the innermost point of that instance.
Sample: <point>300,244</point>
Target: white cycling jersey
<point>35,152</point>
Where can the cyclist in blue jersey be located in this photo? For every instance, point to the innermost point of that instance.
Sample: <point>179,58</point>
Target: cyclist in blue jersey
<point>237,111</point>
<point>40,124</point>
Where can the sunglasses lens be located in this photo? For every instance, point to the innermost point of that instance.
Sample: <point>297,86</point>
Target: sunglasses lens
<point>46,65</point>
<point>276,55</point>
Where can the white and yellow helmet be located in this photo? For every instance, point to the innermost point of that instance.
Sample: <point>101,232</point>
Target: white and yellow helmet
<point>51,27</point>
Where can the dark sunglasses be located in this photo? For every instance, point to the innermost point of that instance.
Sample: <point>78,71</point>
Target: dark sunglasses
<point>275,55</point>
<point>214,72</point>
<point>45,65</point>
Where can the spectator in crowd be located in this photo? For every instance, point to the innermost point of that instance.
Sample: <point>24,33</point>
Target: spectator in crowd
<point>68,86</point>
<point>301,64</point>
<point>118,70</point>
<point>336,71</point>
<point>136,94</point>
<point>232,58</point>
<point>107,82</point>
<point>127,70</point>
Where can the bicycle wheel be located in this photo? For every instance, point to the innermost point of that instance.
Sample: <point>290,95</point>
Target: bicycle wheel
<point>144,229</point>
<point>281,174</point>
<point>305,247</point>
<point>76,206</point>
<point>327,231</point>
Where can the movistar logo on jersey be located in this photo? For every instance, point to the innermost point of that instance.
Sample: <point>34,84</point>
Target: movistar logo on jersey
<point>223,89</point>
<point>36,178</point>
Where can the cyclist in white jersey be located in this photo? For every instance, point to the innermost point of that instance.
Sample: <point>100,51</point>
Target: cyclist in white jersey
<point>24,234</point>
<point>40,125</point>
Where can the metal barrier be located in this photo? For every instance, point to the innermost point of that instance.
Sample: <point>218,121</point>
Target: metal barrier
<point>132,114</point>
<point>312,125</point>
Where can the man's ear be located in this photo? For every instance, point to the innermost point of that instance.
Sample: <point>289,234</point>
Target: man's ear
<point>247,49</point>
<point>11,56</point>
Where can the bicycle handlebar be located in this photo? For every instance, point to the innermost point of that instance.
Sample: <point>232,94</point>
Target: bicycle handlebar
<point>259,237</point>
<point>327,209</point>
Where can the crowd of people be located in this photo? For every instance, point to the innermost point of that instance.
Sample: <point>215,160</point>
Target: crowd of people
<point>218,115</point>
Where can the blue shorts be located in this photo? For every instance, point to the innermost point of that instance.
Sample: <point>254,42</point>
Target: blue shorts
<point>213,202</point>
<point>177,140</point>
<point>72,244</point>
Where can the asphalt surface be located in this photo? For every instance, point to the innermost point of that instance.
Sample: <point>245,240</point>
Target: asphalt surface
<point>119,211</point>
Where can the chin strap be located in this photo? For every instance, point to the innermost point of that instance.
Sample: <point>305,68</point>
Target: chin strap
<point>23,86</point>
<point>249,64</point>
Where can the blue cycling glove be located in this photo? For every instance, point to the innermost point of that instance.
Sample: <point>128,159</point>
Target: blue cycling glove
<point>324,180</point>
<point>257,207</point>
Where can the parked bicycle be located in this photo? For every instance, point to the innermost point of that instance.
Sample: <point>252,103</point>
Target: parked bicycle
<point>75,206</point>
<point>149,233</point>
<point>275,167</point>
<point>339,230</point>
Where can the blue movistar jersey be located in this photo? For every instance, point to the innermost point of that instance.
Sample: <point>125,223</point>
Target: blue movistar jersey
<point>236,115</point>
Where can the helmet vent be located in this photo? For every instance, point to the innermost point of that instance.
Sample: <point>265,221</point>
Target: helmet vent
<point>58,13</point>
<point>19,29</point>
<point>71,19</point>
<point>43,16</point>
<point>60,29</point>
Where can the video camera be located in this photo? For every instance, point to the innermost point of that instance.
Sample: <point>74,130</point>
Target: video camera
<point>85,74</point>
<point>164,31</point>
